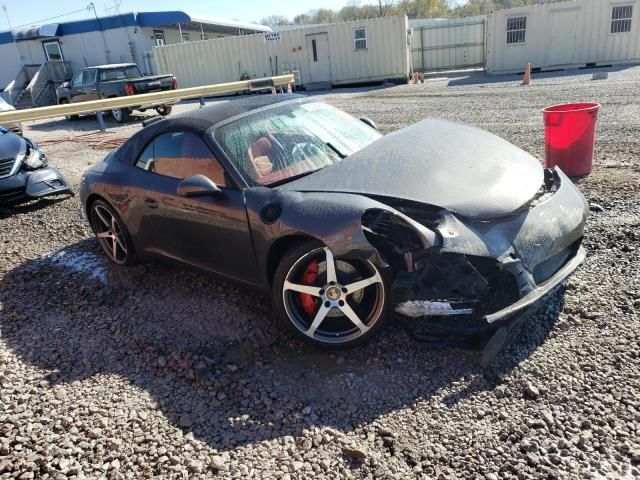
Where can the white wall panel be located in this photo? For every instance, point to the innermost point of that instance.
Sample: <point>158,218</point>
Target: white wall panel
<point>227,59</point>
<point>561,35</point>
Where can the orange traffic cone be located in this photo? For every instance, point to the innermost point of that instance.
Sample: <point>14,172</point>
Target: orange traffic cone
<point>289,88</point>
<point>527,75</point>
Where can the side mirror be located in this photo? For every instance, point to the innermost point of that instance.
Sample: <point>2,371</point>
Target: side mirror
<point>198,186</point>
<point>369,122</point>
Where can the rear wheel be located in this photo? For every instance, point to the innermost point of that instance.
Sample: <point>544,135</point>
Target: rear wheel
<point>164,110</point>
<point>69,118</point>
<point>111,233</point>
<point>121,115</point>
<point>329,302</point>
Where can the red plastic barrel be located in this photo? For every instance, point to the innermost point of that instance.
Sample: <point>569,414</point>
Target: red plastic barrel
<point>570,136</point>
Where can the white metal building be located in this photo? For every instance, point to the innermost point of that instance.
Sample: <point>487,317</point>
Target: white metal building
<point>333,54</point>
<point>63,48</point>
<point>563,35</point>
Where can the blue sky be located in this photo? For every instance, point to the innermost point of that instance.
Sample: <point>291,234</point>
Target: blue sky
<point>29,11</point>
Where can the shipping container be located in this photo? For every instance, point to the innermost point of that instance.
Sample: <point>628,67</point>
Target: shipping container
<point>333,54</point>
<point>563,35</point>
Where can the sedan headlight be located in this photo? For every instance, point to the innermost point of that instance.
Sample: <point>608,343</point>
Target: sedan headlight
<point>35,159</point>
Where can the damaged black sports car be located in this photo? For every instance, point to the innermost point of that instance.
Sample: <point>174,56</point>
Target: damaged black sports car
<point>343,226</point>
<point>24,173</point>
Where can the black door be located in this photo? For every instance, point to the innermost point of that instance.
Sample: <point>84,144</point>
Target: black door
<point>76,86</point>
<point>210,233</point>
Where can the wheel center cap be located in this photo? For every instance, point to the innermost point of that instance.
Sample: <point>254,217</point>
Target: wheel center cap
<point>333,293</point>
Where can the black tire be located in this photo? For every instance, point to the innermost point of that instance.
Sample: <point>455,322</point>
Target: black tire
<point>121,115</point>
<point>124,252</point>
<point>69,118</point>
<point>164,110</point>
<point>335,330</point>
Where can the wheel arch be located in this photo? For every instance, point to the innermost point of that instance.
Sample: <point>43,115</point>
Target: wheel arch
<point>90,201</point>
<point>279,248</point>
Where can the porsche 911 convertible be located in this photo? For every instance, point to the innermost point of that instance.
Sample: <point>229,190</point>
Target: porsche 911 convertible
<point>344,227</point>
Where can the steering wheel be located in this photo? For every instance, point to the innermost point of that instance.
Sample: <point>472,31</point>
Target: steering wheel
<point>304,151</point>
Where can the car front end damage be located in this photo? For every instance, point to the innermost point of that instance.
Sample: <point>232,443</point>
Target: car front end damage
<point>25,174</point>
<point>455,275</point>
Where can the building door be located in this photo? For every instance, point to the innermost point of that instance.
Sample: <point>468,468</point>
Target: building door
<point>562,38</point>
<point>318,57</point>
<point>53,51</point>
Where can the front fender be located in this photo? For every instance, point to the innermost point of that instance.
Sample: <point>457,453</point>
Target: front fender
<point>335,219</point>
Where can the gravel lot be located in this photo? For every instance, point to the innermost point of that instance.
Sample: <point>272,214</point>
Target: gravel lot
<point>156,371</point>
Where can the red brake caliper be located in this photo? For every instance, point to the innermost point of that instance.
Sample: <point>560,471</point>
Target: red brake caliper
<point>309,277</point>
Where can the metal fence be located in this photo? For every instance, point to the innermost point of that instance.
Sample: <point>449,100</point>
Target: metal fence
<point>448,44</point>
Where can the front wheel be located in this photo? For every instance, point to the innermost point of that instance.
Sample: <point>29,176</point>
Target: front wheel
<point>330,302</point>
<point>112,235</point>
<point>121,115</point>
<point>164,110</point>
<point>69,118</point>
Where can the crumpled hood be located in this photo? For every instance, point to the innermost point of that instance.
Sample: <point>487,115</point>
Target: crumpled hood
<point>451,165</point>
<point>11,145</point>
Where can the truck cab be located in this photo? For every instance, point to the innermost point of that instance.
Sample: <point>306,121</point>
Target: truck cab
<point>115,80</point>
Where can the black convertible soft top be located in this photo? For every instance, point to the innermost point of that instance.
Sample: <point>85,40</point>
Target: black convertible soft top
<point>199,120</point>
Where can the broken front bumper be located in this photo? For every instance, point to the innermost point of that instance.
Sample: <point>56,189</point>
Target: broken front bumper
<point>541,290</point>
<point>491,270</point>
<point>34,184</point>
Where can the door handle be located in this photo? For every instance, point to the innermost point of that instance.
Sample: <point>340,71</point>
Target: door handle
<point>150,202</point>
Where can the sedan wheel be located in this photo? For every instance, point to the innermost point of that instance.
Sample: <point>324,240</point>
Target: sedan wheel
<point>330,302</point>
<point>111,234</point>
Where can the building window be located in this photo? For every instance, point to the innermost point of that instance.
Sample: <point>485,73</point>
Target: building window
<point>621,19</point>
<point>516,29</point>
<point>360,38</point>
<point>185,38</point>
<point>158,38</point>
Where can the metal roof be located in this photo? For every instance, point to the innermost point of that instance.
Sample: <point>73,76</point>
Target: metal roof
<point>141,19</point>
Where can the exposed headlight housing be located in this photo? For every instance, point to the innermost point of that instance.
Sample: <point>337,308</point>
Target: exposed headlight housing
<point>34,159</point>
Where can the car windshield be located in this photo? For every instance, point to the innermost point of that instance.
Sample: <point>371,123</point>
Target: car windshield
<point>120,73</point>
<point>282,143</point>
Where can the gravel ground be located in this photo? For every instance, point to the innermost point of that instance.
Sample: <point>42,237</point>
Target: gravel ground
<point>156,371</point>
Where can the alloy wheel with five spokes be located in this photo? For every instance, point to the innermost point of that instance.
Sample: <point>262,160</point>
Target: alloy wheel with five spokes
<point>110,233</point>
<point>344,302</point>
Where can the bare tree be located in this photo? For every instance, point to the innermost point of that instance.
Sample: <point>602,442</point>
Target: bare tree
<point>275,20</point>
<point>385,6</point>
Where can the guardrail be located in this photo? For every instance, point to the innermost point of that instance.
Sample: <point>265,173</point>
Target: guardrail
<point>155,98</point>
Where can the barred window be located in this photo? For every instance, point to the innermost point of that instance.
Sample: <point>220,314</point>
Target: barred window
<point>516,29</point>
<point>360,38</point>
<point>621,19</point>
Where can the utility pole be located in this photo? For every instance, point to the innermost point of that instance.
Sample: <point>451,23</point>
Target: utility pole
<point>6,14</point>
<point>104,39</point>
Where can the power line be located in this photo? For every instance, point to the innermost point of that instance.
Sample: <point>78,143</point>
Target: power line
<point>52,18</point>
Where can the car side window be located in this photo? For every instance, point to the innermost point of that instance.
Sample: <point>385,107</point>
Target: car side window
<point>180,155</point>
<point>77,80</point>
<point>89,77</point>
